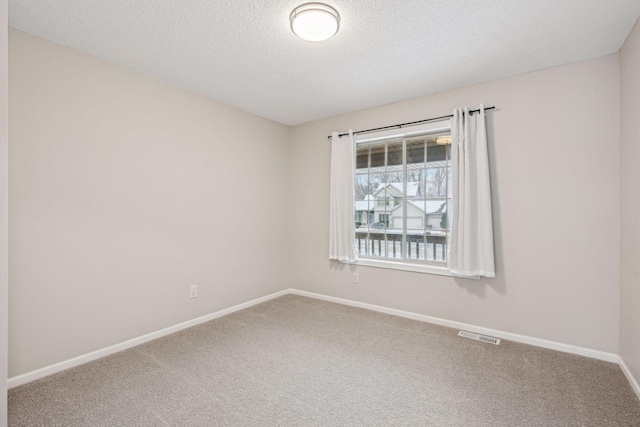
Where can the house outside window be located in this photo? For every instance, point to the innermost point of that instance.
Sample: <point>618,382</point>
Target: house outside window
<point>409,177</point>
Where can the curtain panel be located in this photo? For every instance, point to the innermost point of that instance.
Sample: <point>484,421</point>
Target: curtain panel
<point>341,216</point>
<point>471,249</point>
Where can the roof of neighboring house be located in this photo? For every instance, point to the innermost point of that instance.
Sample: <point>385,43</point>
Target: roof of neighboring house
<point>432,206</point>
<point>366,204</point>
<point>436,206</point>
<point>412,188</point>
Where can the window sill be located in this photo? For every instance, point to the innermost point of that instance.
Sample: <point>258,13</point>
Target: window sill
<point>408,266</point>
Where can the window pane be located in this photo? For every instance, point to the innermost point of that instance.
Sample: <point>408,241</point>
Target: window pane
<point>436,153</point>
<point>362,157</point>
<point>394,243</point>
<point>396,179</point>
<point>392,191</point>
<point>448,223</point>
<point>415,150</point>
<point>415,229</point>
<point>361,241</point>
<point>436,248</point>
<point>391,177</point>
<point>416,180</point>
<point>435,212</point>
<point>363,213</point>
<point>437,219</point>
<point>377,153</point>
<point>377,242</point>
<point>436,182</point>
<point>394,153</point>
<point>412,190</point>
<point>362,187</point>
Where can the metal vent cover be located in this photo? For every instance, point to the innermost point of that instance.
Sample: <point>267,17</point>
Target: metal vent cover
<point>477,337</point>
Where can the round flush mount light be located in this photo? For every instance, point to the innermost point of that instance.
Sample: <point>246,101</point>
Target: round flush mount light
<point>314,22</point>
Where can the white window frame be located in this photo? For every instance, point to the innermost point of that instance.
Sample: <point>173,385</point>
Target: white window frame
<point>419,266</point>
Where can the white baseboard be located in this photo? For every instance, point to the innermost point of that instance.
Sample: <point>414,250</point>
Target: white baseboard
<point>566,348</point>
<point>79,360</point>
<point>88,357</point>
<point>634,384</point>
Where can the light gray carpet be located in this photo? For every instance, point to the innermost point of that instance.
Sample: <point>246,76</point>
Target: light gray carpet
<point>299,361</point>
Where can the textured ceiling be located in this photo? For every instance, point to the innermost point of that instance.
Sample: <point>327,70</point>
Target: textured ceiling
<point>244,54</point>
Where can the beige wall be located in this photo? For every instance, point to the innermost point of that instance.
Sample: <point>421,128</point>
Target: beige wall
<point>121,188</point>
<point>4,175</point>
<point>554,168</point>
<point>630,202</point>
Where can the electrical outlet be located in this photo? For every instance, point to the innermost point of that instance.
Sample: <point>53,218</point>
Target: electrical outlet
<point>193,291</point>
<point>356,278</point>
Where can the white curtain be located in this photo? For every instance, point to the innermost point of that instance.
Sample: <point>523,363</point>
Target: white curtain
<point>341,218</point>
<point>471,249</point>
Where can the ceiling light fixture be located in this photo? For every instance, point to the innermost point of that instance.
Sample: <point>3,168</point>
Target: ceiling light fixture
<point>314,22</point>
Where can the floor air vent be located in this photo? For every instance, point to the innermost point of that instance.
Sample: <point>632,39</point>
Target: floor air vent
<point>477,337</point>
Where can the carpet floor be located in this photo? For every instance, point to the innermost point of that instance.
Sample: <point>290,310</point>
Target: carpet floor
<point>300,361</point>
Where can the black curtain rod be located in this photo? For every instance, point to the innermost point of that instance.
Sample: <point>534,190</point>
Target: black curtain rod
<point>410,123</point>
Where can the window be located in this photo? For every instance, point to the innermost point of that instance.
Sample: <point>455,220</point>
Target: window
<point>383,201</point>
<point>409,176</point>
